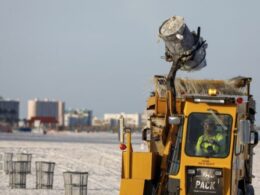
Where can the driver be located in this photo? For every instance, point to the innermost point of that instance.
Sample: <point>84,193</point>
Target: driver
<point>211,142</point>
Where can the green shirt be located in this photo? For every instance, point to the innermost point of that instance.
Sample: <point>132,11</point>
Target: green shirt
<point>210,144</point>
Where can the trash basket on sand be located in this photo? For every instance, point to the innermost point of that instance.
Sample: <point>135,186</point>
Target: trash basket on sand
<point>25,157</point>
<point>75,183</point>
<point>17,174</point>
<point>44,174</point>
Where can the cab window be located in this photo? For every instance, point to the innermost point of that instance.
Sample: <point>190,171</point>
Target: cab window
<point>208,135</point>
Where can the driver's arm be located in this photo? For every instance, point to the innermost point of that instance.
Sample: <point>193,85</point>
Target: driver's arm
<point>221,142</point>
<point>198,148</point>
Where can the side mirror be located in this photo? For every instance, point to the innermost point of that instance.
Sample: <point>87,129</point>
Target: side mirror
<point>238,145</point>
<point>244,131</point>
<point>146,134</point>
<point>147,131</point>
<point>174,120</point>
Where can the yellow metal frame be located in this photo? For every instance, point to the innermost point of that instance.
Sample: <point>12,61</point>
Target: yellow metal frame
<point>137,167</point>
<point>160,104</point>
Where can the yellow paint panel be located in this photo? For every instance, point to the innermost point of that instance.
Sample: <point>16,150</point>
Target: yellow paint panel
<point>161,106</point>
<point>151,101</point>
<point>142,165</point>
<point>132,187</point>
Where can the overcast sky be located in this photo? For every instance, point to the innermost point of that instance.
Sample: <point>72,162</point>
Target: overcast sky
<point>102,55</point>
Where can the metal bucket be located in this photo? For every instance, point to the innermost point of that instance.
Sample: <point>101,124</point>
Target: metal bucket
<point>44,174</point>
<point>75,183</point>
<point>183,47</point>
<point>176,35</point>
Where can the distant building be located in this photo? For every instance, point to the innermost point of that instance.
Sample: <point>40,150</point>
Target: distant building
<point>131,120</point>
<point>9,111</point>
<point>78,118</point>
<point>48,113</point>
<point>96,122</point>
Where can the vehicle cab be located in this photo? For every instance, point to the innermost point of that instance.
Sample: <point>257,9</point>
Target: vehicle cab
<point>209,158</point>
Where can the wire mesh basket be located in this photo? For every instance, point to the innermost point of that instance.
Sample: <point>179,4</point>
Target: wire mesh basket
<point>17,174</point>
<point>75,183</point>
<point>44,174</point>
<point>25,157</point>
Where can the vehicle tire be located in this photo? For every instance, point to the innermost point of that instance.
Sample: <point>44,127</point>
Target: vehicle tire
<point>250,190</point>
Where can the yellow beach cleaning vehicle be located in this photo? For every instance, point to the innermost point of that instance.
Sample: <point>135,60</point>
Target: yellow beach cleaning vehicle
<point>200,133</point>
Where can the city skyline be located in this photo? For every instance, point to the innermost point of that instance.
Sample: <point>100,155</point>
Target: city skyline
<point>31,111</point>
<point>103,56</point>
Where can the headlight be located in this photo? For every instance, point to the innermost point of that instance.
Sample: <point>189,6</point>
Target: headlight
<point>191,171</point>
<point>218,173</point>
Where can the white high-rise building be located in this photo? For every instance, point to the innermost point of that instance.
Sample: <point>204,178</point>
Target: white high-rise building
<point>46,108</point>
<point>131,120</point>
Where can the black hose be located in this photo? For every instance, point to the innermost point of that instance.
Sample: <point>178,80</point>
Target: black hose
<point>171,83</point>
